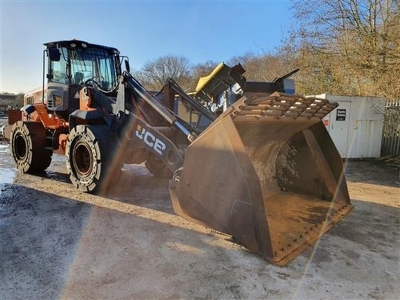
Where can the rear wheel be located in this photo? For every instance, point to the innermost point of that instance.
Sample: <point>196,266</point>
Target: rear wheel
<point>91,164</point>
<point>27,147</point>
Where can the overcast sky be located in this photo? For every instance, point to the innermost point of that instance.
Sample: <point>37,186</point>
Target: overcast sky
<point>143,30</point>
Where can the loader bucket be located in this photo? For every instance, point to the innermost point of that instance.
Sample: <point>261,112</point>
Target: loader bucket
<point>267,173</point>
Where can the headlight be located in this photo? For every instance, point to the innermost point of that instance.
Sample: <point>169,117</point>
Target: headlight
<point>57,100</point>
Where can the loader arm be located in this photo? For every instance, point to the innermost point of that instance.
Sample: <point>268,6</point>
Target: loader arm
<point>154,140</point>
<point>114,112</point>
<point>172,87</point>
<point>168,115</point>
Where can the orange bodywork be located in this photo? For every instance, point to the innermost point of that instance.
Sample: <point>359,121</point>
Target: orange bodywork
<point>52,121</point>
<point>85,100</point>
<point>49,120</point>
<point>62,143</point>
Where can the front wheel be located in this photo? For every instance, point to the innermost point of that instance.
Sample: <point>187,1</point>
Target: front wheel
<point>28,147</point>
<point>90,160</point>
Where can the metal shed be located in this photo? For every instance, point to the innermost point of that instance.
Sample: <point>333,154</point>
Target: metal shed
<point>356,125</point>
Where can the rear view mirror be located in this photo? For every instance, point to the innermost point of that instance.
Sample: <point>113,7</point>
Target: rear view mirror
<point>127,66</point>
<point>54,54</point>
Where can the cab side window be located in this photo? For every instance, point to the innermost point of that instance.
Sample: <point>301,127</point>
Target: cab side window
<point>58,69</point>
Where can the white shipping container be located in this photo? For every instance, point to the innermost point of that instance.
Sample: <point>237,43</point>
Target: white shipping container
<point>355,126</point>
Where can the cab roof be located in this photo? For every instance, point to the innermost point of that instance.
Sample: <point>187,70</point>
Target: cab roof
<point>78,43</point>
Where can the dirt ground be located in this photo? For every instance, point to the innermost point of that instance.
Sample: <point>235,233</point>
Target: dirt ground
<point>57,243</point>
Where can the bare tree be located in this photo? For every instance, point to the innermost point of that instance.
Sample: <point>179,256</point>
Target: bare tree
<point>350,46</point>
<point>19,100</point>
<point>263,67</point>
<point>204,69</point>
<point>201,70</point>
<point>155,73</point>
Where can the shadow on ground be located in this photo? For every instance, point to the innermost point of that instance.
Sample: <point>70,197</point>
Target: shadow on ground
<point>58,243</point>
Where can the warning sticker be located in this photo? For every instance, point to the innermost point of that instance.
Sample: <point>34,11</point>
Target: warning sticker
<point>341,114</point>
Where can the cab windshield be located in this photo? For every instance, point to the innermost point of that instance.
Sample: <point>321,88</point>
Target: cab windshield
<point>93,64</point>
<point>85,64</point>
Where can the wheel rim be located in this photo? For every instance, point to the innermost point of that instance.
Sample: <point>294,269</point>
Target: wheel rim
<point>83,162</point>
<point>20,147</point>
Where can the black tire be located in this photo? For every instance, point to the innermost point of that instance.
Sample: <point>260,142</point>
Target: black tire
<point>91,164</point>
<point>27,147</point>
<point>157,167</point>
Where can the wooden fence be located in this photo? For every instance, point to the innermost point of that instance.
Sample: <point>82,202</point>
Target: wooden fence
<point>391,129</point>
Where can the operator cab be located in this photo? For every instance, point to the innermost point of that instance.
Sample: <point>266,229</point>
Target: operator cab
<point>79,62</point>
<point>69,65</point>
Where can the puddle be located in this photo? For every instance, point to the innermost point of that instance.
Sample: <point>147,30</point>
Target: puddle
<point>7,170</point>
<point>7,175</point>
<point>3,148</point>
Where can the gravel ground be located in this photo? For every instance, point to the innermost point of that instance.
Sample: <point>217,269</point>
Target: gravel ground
<point>57,243</point>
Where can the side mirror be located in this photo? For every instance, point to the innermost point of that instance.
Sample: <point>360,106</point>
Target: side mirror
<point>54,54</point>
<point>127,66</point>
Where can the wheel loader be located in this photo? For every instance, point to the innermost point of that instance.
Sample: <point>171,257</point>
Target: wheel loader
<point>264,171</point>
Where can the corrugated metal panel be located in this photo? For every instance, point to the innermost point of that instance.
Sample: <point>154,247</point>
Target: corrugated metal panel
<point>391,129</point>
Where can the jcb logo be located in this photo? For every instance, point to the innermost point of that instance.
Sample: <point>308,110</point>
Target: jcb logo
<point>150,140</point>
